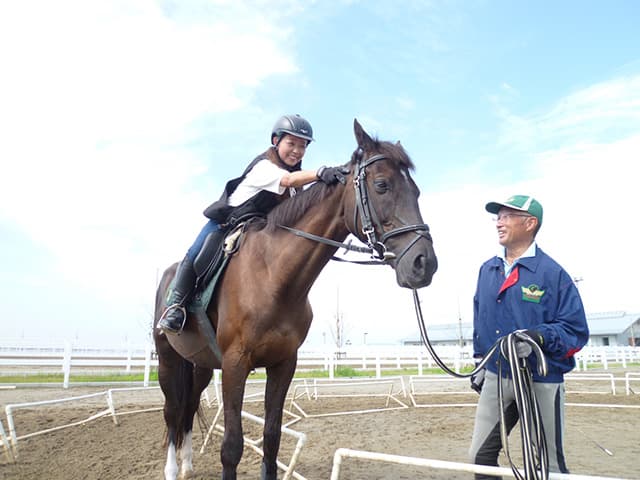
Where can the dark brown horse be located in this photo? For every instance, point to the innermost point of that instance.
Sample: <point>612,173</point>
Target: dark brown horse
<point>261,312</point>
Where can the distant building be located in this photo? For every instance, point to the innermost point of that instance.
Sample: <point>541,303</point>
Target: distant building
<point>608,328</point>
<point>614,328</point>
<point>445,334</point>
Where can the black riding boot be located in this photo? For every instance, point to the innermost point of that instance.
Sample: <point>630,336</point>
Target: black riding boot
<point>175,315</point>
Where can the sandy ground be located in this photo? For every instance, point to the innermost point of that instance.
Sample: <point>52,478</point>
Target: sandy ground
<point>99,449</point>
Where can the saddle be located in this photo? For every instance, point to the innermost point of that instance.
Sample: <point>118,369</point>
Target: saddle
<point>197,341</point>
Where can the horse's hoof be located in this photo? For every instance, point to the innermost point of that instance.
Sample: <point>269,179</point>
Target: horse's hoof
<point>186,475</point>
<point>267,476</point>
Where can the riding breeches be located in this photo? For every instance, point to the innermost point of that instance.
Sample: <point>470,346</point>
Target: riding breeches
<point>487,443</point>
<point>208,228</point>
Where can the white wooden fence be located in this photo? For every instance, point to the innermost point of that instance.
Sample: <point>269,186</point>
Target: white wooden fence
<point>31,357</point>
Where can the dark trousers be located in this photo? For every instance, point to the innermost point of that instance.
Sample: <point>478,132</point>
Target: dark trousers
<point>208,228</point>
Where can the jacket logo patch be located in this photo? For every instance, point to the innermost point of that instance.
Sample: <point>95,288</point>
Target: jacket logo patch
<point>532,293</point>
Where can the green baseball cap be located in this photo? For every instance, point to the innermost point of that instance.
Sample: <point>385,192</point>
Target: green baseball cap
<point>523,203</point>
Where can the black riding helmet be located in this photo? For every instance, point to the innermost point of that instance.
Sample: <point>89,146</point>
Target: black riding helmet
<point>293,125</point>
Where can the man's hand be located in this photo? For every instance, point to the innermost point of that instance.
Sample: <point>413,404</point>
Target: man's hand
<point>535,336</point>
<point>331,175</point>
<point>477,380</point>
<point>523,349</point>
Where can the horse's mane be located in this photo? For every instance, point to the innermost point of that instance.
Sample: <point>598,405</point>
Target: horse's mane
<point>292,209</point>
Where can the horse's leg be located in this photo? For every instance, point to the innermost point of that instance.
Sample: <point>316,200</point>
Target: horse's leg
<point>234,377</point>
<point>168,371</point>
<point>278,381</point>
<point>171,465</point>
<point>201,378</point>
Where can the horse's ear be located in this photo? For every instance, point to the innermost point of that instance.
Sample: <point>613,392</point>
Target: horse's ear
<point>398,144</point>
<point>362,137</point>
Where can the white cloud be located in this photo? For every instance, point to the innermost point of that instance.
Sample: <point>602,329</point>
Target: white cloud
<point>100,99</point>
<point>99,105</point>
<point>603,112</point>
<point>587,188</point>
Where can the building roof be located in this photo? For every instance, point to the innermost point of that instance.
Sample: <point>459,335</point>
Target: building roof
<point>606,323</point>
<point>444,332</point>
<point>610,323</point>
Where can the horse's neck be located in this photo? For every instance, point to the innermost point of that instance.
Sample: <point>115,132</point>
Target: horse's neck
<point>302,259</point>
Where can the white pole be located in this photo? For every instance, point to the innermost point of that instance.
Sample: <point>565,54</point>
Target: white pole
<point>331,367</point>
<point>147,364</point>
<point>66,364</point>
<point>128,366</point>
<point>441,465</point>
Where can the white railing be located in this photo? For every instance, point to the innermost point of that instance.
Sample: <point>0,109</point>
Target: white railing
<point>39,357</point>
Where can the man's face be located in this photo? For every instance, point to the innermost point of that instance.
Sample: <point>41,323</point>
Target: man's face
<point>514,227</point>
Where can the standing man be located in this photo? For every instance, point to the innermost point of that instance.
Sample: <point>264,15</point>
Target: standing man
<point>523,288</point>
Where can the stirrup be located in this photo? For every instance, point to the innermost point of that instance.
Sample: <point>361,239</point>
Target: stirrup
<point>164,326</point>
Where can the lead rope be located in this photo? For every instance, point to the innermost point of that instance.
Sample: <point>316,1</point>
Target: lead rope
<point>534,445</point>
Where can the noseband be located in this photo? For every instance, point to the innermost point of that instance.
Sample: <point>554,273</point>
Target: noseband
<point>368,217</point>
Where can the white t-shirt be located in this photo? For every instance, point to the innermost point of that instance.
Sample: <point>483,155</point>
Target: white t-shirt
<point>264,175</point>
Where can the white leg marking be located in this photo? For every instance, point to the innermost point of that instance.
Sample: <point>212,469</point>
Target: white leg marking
<point>171,467</point>
<point>186,456</point>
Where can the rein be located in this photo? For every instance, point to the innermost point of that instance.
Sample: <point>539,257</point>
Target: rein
<point>375,247</point>
<point>534,445</point>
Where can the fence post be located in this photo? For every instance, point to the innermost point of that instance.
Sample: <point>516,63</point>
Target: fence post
<point>147,364</point>
<point>331,367</point>
<point>128,366</point>
<point>378,369</point>
<point>420,363</point>
<point>66,364</point>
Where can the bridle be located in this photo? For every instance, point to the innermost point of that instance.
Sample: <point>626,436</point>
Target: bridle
<point>369,220</point>
<point>368,217</point>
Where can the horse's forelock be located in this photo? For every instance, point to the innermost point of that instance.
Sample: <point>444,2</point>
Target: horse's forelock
<point>393,151</point>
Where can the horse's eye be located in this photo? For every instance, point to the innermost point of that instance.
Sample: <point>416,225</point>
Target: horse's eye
<point>381,186</point>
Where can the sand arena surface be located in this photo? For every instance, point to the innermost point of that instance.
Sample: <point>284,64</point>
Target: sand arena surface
<point>101,450</point>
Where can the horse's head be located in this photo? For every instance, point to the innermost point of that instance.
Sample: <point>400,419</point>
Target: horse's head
<point>385,211</point>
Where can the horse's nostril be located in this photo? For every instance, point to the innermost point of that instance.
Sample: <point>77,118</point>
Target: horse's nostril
<point>420,263</point>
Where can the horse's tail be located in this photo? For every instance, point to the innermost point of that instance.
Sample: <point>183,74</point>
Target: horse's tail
<point>176,372</point>
<point>184,386</point>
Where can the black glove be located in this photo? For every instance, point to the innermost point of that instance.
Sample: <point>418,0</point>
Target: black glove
<point>535,336</point>
<point>477,380</point>
<point>331,175</point>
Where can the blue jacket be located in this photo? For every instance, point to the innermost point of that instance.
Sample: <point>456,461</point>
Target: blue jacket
<point>538,295</point>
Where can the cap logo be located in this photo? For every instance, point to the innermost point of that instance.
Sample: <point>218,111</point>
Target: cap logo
<point>527,204</point>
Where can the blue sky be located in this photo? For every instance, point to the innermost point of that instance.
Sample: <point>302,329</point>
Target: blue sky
<point>122,120</point>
